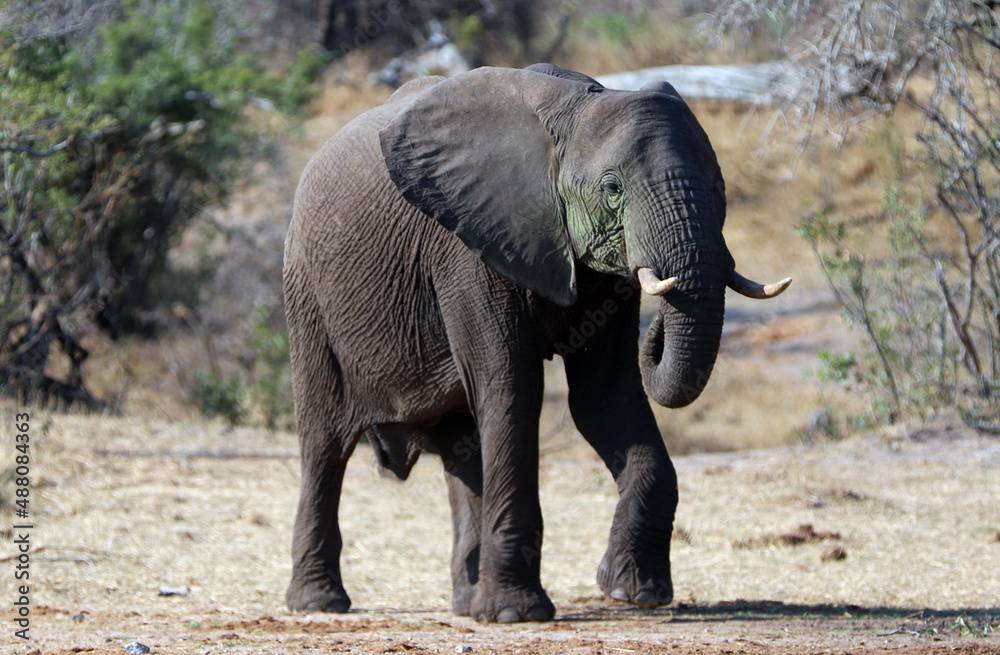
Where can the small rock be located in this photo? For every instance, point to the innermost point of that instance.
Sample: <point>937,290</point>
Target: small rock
<point>833,554</point>
<point>36,651</point>
<point>137,648</point>
<point>174,591</point>
<point>804,534</point>
<point>463,649</point>
<point>79,616</point>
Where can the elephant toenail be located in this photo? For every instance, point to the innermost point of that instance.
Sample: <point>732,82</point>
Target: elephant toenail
<point>509,615</point>
<point>334,606</point>
<point>538,613</point>
<point>620,594</point>
<point>646,599</point>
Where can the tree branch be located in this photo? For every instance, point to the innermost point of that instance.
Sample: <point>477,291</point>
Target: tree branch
<point>34,152</point>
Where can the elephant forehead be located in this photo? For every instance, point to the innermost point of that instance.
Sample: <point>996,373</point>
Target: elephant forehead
<point>637,127</point>
<point>613,111</point>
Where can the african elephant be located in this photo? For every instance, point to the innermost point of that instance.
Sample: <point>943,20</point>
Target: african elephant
<point>447,242</point>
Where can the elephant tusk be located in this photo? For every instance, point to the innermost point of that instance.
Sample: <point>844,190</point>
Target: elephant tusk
<point>751,289</point>
<point>653,285</point>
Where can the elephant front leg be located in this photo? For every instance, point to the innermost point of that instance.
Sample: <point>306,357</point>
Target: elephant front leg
<point>509,588</point>
<point>612,412</point>
<point>636,566</point>
<point>496,356</point>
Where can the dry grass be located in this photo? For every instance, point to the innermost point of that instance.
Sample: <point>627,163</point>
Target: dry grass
<point>659,40</point>
<point>113,524</point>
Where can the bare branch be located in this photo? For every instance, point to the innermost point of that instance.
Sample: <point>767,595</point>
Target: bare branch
<point>34,152</point>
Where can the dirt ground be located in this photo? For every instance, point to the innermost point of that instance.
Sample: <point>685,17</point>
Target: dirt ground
<point>903,554</point>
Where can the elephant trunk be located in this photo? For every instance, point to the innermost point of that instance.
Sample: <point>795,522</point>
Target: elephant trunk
<point>679,351</point>
<point>682,342</point>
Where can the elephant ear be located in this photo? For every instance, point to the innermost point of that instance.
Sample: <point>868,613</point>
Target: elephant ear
<point>472,153</point>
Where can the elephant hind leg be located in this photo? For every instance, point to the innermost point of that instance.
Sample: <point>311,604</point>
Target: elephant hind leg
<point>316,583</point>
<point>327,437</point>
<point>456,439</point>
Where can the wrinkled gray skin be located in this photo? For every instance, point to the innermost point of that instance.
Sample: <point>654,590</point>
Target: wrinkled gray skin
<point>447,242</point>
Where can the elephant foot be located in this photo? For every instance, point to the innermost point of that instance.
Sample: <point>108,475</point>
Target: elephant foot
<point>317,596</point>
<point>512,606</point>
<point>623,579</point>
<point>461,599</point>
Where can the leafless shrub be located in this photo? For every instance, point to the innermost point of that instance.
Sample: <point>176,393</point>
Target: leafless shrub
<point>860,59</point>
<point>34,20</point>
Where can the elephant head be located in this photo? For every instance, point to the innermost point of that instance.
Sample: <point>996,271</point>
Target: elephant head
<point>539,170</point>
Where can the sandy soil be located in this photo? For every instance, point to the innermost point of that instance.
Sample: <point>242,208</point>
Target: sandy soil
<point>903,555</point>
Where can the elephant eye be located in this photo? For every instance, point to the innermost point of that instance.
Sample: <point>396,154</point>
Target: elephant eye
<point>612,186</point>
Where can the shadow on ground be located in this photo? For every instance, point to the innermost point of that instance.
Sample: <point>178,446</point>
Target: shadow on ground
<point>985,618</point>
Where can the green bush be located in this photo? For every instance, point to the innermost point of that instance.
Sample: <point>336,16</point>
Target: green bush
<point>221,397</point>
<point>298,86</point>
<point>104,159</point>
<point>928,312</point>
<point>273,383</point>
<point>836,368</point>
<point>467,32</point>
<point>617,29</point>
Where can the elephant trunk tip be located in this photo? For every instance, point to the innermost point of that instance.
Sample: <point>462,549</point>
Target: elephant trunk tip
<point>679,395</point>
<point>675,374</point>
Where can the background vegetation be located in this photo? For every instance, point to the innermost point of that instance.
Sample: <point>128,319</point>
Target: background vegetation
<point>919,274</point>
<point>147,174</point>
<point>113,140</point>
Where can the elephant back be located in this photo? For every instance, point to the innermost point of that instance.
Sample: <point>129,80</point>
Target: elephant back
<point>347,176</point>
